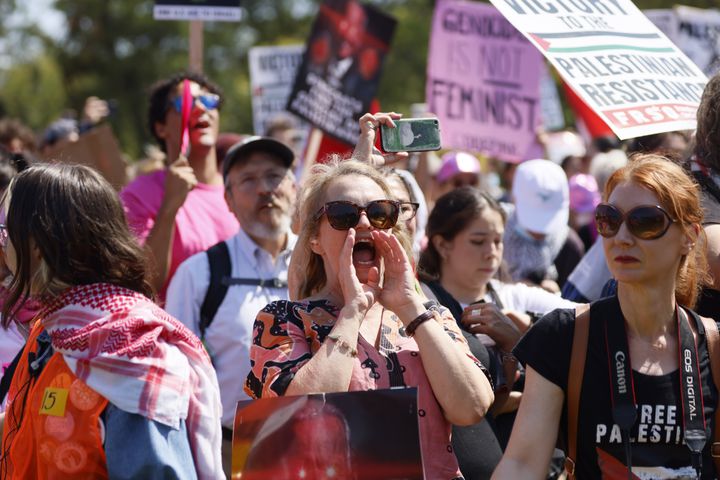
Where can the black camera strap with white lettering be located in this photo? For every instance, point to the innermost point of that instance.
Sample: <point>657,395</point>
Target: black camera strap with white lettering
<point>622,391</point>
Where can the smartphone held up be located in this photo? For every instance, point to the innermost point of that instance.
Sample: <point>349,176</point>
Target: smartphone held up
<point>411,135</point>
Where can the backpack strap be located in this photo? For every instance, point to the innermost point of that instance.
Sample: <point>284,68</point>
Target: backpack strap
<point>575,378</point>
<point>712,339</point>
<point>8,375</point>
<point>220,268</point>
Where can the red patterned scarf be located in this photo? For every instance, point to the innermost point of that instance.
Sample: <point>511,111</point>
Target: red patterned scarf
<point>142,360</point>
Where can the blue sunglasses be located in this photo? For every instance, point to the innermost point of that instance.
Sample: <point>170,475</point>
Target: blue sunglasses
<point>208,100</point>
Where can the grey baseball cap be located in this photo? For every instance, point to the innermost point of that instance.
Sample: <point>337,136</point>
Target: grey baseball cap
<point>242,150</point>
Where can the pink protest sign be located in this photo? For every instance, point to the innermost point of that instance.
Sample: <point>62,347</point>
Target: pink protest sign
<point>483,81</point>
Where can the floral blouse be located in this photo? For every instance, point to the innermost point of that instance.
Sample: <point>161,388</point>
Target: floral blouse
<point>287,334</point>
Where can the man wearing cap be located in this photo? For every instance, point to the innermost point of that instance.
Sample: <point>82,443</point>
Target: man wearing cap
<point>259,190</point>
<point>180,210</point>
<point>540,248</point>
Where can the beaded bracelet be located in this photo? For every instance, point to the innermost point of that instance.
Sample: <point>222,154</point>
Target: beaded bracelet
<point>342,345</point>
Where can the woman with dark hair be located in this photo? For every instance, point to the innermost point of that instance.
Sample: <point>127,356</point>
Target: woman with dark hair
<point>705,167</point>
<point>642,402</point>
<point>361,323</point>
<point>108,383</point>
<point>12,338</point>
<point>459,268</point>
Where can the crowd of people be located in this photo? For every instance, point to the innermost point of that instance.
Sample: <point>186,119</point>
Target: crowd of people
<point>135,321</point>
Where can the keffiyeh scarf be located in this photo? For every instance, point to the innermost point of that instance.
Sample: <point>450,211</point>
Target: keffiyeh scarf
<point>142,360</point>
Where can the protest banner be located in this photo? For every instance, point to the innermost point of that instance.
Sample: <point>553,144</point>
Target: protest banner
<point>308,436</point>
<point>615,59</point>
<point>203,10</point>
<point>666,20</point>
<point>698,35</point>
<point>341,68</point>
<point>272,73</point>
<point>97,148</point>
<point>483,81</point>
<point>551,110</point>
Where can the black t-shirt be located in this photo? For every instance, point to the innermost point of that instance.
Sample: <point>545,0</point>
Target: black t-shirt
<point>658,451</point>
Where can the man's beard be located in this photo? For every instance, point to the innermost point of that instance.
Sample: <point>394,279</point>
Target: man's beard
<point>277,227</point>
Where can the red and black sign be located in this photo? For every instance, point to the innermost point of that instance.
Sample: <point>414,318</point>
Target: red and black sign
<point>341,69</point>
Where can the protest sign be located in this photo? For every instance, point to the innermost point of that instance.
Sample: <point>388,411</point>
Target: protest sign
<point>483,81</point>
<point>665,19</point>
<point>341,68</point>
<point>615,59</point>
<point>203,10</point>
<point>308,436</point>
<point>272,73</point>
<point>551,110</point>
<point>698,35</point>
<point>97,148</point>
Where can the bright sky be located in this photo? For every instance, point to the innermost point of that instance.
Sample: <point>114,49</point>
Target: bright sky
<point>39,11</point>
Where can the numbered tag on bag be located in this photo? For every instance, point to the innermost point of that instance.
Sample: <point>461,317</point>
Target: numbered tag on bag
<point>54,402</point>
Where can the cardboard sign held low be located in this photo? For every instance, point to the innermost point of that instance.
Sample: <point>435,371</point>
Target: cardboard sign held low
<point>97,148</point>
<point>351,435</point>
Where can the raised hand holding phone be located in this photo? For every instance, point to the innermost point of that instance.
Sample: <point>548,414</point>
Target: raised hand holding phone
<point>412,135</point>
<point>365,150</point>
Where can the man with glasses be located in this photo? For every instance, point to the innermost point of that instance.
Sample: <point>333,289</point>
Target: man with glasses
<point>218,293</point>
<point>180,210</point>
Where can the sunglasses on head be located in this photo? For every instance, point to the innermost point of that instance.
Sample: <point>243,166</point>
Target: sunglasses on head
<point>646,222</point>
<point>341,215</point>
<point>208,100</point>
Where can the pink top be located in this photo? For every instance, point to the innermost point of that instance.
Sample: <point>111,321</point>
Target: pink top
<point>202,221</point>
<point>288,333</point>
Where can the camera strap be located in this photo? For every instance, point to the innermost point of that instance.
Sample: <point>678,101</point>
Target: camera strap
<point>622,391</point>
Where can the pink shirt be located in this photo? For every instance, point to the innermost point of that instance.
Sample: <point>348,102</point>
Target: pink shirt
<point>202,221</point>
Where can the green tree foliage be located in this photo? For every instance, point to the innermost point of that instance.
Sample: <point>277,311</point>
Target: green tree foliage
<point>34,92</point>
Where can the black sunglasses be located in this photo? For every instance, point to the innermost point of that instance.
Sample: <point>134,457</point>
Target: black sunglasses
<point>342,215</point>
<point>646,222</point>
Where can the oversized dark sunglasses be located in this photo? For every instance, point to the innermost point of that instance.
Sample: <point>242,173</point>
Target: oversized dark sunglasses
<point>646,222</point>
<point>341,215</point>
<point>208,100</point>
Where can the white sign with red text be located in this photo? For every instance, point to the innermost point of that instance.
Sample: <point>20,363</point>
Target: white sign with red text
<point>616,60</point>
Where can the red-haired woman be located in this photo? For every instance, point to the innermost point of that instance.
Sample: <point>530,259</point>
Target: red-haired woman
<point>636,417</point>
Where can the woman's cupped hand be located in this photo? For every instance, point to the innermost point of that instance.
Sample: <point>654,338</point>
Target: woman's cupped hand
<point>359,295</point>
<point>399,290</point>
